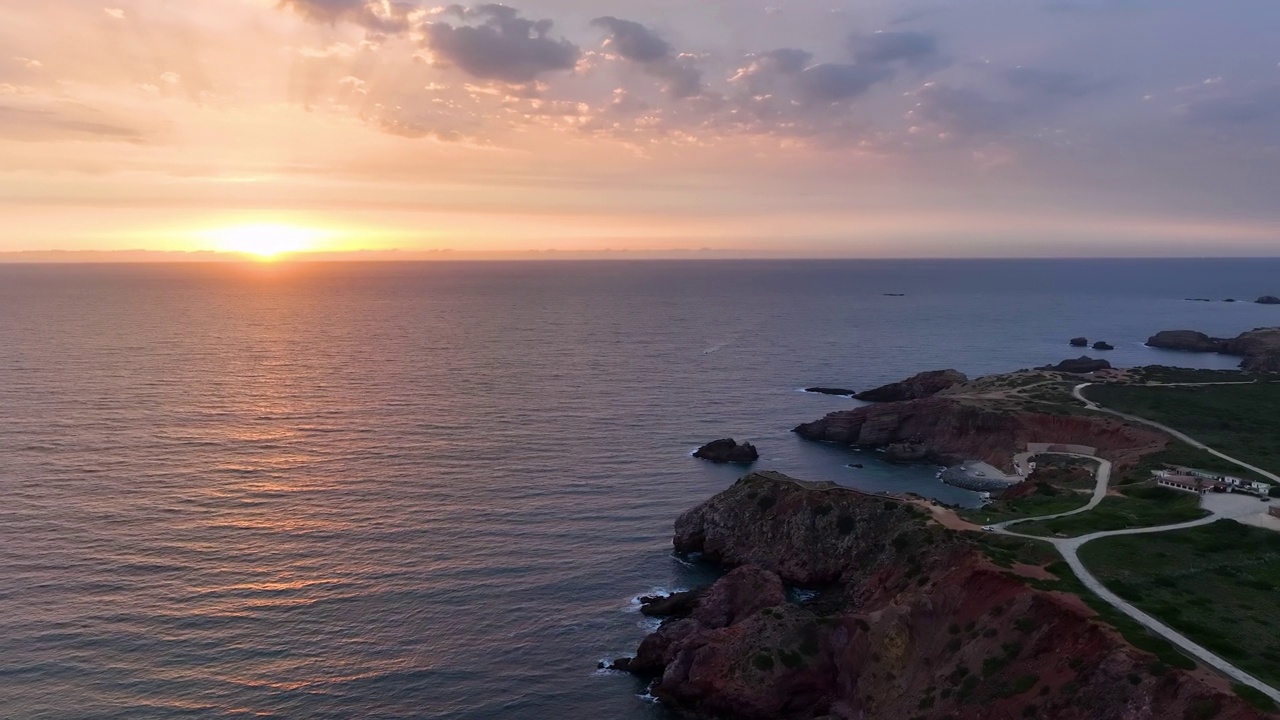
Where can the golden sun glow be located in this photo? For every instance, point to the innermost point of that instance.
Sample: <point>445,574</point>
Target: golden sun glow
<point>265,240</point>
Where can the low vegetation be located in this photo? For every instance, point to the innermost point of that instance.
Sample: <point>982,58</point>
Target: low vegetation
<point>1166,374</point>
<point>1137,507</point>
<point>1060,484</point>
<point>1218,584</point>
<point>1239,420</point>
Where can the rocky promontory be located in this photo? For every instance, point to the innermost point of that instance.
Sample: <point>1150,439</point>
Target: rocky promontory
<point>728,451</point>
<point>1258,349</point>
<point>917,387</point>
<point>949,430</point>
<point>910,620</point>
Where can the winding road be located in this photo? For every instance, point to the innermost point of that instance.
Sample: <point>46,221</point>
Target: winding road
<point>1070,550</point>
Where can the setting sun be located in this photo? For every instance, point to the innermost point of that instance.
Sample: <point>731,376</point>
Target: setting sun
<point>265,240</point>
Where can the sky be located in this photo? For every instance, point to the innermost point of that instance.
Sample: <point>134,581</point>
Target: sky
<point>864,128</point>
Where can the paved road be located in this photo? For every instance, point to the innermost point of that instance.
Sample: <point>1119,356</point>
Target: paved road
<point>1070,550</point>
<point>1078,392</point>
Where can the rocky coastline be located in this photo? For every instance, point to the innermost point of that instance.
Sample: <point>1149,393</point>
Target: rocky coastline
<point>909,620</point>
<point>1258,349</point>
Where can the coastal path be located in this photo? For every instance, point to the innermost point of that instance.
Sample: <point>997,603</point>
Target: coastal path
<point>1078,392</point>
<point>1069,548</point>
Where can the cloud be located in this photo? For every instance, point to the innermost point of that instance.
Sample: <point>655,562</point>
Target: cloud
<point>502,45</point>
<point>113,13</point>
<point>1022,93</point>
<point>389,17</point>
<point>1050,83</point>
<point>638,44</point>
<point>64,121</point>
<point>1261,108</point>
<point>835,82</point>
<point>886,48</point>
<point>633,41</point>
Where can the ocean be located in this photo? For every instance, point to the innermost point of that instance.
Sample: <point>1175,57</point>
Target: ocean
<point>435,490</point>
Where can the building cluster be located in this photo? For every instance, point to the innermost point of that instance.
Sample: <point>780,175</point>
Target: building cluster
<point>1202,481</point>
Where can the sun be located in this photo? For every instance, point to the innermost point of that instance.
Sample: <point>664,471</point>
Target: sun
<point>265,240</point>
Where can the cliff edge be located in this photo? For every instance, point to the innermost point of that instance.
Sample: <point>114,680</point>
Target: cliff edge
<point>910,621</point>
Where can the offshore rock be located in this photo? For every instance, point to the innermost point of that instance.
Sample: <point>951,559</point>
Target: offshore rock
<point>912,621</point>
<point>1268,300</point>
<point>1080,366</point>
<point>1100,345</point>
<point>831,391</point>
<point>924,385</point>
<point>1080,342</point>
<point>728,451</point>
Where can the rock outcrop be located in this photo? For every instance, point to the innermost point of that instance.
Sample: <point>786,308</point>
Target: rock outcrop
<point>1080,366</point>
<point>728,451</point>
<point>1258,349</point>
<point>911,621</point>
<point>1268,300</point>
<point>947,432</point>
<point>842,392</point>
<point>1101,345</point>
<point>924,385</point>
<point>1080,342</point>
<point>1188,340</point>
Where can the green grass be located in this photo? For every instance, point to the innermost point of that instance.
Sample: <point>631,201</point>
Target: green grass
<point>1165,374</point>
<point>1026,507</point>
<point>1139,507</point>
<point>1066,581</point>
<point>1240,420</point>
<point>1218,584</point>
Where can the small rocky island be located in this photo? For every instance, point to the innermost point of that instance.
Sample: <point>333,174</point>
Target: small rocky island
<point>909,620</point>
<point>839,392</point>
<point>728,451</point>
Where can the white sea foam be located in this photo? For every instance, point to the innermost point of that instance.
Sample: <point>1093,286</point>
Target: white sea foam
<point>634,605</point>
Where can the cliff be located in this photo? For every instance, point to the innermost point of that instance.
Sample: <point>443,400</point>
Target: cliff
<point>917,387</point>
<point>911,621</point>
<point>947,431</point>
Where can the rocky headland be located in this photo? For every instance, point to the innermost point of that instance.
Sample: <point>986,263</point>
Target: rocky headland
<point>1258,349</point>
<point>728,451</point>
<point>926,384</point>
<point>911,621</point>
<point>949,429</point>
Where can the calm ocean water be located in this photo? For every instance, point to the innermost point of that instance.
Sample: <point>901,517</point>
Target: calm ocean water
<point>431,491</point>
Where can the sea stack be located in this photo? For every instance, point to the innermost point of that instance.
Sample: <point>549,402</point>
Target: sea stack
<point>728,451</point>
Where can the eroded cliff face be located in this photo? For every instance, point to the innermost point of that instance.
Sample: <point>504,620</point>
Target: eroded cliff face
<point>912,623</point>
<point>948,431</point>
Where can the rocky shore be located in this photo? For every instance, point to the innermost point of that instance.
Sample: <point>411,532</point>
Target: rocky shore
<point>910,620</point>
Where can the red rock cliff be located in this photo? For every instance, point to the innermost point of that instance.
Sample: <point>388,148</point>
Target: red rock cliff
<point>913,623</point>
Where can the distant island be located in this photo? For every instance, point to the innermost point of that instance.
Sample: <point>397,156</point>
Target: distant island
<point>914,610</point>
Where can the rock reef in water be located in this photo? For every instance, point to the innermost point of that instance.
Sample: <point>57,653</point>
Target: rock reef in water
<point>728,451</point>
<point>842,392</point>
<point>1080,342</point>
<point>1082,365</point>
<point>1258,349</point>
<point>1268,300</point>
<point>911,621</point>
<point>949,431</point>
<point>924,385</point>
<point>1101,345</point>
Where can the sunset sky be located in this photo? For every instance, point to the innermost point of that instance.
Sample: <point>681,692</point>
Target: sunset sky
<point>750,127</point>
